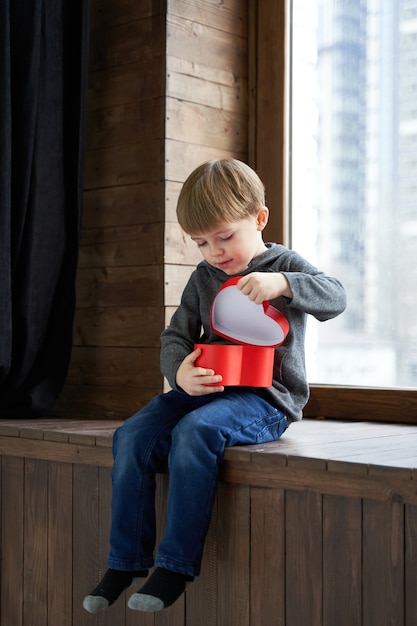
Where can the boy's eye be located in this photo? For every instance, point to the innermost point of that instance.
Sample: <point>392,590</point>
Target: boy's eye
<point>200,244</point>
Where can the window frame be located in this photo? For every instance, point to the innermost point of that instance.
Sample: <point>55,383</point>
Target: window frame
<point>269,22</point>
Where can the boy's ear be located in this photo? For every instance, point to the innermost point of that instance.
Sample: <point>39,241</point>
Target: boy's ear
<point>262,217</point>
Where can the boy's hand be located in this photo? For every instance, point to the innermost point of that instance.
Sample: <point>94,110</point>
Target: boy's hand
<point>261,286</point>
<point>197,381</point>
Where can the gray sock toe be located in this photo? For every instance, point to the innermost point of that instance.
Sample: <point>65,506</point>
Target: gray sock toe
<point>93,604</point>
<point>144,602</point>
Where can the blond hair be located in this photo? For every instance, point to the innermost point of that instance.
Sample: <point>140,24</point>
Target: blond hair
<point>220,190</point>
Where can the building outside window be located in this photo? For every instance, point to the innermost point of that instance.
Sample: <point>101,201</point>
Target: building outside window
<point>353,182</point>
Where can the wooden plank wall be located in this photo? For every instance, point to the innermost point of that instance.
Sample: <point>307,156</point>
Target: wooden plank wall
<point>120,307</point>
<point>167,90</point>
<point>273,556</point>
<point>207,109</point>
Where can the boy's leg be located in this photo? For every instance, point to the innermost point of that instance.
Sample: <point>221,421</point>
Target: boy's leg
<point>198,443</point>
<point>139,446</point>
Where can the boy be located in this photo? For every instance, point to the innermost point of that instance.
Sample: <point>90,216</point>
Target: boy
<point>222,207</point>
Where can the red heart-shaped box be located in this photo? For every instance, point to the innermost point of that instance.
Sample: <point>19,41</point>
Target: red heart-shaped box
<point>256,328</point>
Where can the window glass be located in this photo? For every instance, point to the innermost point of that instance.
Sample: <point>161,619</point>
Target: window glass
<point>353,182</point>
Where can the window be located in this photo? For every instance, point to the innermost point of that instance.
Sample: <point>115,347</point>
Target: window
<point>348,88</point>
<point>357,158</point>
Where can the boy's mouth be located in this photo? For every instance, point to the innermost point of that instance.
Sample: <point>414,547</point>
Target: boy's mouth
<point>223,264</point>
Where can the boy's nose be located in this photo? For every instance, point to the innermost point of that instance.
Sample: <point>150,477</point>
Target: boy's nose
<point>216,250</point>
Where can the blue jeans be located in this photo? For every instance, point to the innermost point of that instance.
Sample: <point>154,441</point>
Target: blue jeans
<point>193,433</point>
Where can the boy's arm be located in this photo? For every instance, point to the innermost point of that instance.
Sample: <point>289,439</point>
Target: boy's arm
<point>304,286</point>
<point>177,348</point>
<point>316,294</point>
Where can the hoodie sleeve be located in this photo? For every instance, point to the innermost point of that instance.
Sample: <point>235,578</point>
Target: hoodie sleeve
<point>314,292</point>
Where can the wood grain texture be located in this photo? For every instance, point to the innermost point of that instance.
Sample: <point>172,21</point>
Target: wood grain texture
<point>121,246</point>
<point>342,561</point>
<point>167,89</point>
<point>35,532</point>
<point>86,556</point>
<point>292,540</point>
<point>383,405</point>
<point>12,540</point>
<point>202,597</point>
<point>304,563</point>
<point>174,615</point>
<point>117,45</point>
<point>123,206</point>
<point>132,82</point>
<point>104,402</point>
<point>120,286</point>
<point>410,572</point>
<point>228,16</point>
<point>215,48</point>
<point>383,563</point>
<point>267,566</point>
<point>200,84</point>
<point>136,241</point>
<point>233,546</point>
<point>122,367</point>
<point>268,85</point>
<point>59,544</point>
<point>119,327</point>
<point>105,13</point>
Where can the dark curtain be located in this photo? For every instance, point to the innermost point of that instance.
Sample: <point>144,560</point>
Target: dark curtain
<point>43,65</point>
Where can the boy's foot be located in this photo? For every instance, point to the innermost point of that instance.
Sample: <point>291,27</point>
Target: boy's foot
<point>113,583</point>
<point>162,589</point>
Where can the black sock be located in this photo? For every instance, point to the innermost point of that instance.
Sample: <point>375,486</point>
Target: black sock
<point>162,589</point>
<point>111,586</point>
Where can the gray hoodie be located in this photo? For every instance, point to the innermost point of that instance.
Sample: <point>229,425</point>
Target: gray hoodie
<point>314,293</point>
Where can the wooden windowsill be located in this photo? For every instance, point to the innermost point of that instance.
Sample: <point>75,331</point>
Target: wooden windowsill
<point>363,459</point>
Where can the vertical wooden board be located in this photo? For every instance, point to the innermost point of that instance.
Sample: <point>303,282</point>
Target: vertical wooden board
<point>35,558</point>
<point>201,597</point>
<point>172,616</point>
<point>175,614</point>
<point>269,86</point>
<point>233,554</point>
<point>60,544</point>
<point>267,566</point>
<point>116,614</point>
<point>303,530</point>
<point>12,490</point>
<point>383,563</point>
<point>342,561</point>
<point>86,566</point>
<point>410,586</point>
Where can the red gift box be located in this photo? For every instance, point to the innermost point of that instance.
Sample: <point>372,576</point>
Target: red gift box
<point>255,330</point>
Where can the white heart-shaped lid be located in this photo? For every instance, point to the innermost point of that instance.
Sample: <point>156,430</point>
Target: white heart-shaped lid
<point>237,318</point>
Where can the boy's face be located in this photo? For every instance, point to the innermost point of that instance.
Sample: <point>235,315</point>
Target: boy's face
<point>231,246</point>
